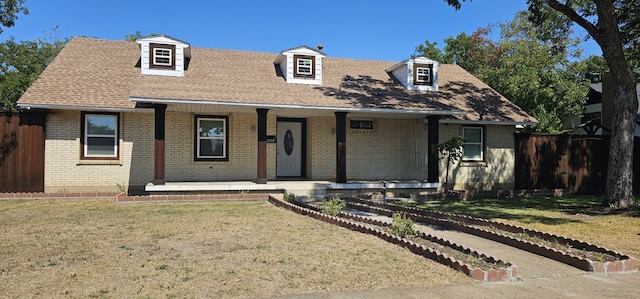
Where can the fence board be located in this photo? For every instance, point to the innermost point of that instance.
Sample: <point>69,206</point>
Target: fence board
<point>574,162</point>
<point>22,152</point>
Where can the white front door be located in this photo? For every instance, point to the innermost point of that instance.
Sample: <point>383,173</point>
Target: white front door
<point>289,149</point>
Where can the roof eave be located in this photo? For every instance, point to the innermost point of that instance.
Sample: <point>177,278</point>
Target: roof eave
<point>302,107</point>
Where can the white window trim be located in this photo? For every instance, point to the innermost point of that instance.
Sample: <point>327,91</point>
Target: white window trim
<point>423,72</point>
<point>86,137</point>
<point>157,55</point>
<point>223,138</point>
<point>481,143</point>
<point>304,63</point>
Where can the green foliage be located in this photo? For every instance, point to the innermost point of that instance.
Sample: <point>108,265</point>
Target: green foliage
<point>451,150</point>
<point>9,9</point>
<point>289,197</point>
<point>402,226</point>
<point>529,65</point>
<point>20,64</point>
<point>333,206</point>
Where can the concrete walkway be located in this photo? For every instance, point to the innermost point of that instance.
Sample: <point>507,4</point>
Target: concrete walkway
<point>540,277</point>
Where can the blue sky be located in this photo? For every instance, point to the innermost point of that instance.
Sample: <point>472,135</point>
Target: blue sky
<point>380,30</point>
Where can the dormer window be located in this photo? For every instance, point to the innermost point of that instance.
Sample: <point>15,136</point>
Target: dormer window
<point>419,73</point>
<point>304,66</point>
<point>301,65</point>
<point>422,74</point>
<point>162,56</point>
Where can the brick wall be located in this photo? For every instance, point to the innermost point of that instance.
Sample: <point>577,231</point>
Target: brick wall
<point>66,172</point>
<point>393,150</point>
<point>496,172</point>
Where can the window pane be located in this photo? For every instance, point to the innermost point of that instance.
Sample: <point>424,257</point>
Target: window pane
<point>472,152</point>
<point>101,125</point>
<point>101,146</point>
<point>211,148</point>
<point>211,128</point>
<point>473,135</point>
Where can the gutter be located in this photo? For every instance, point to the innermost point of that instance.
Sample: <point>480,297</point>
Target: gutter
<point>301,107</point>
<point>27,106</point>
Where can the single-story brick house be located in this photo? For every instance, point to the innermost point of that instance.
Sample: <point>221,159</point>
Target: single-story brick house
<point>157,111</point>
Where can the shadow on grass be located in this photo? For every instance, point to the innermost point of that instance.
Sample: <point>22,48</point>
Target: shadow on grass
<point>528,209</point>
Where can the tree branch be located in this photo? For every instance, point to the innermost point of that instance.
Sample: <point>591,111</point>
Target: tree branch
<point>578,19</point>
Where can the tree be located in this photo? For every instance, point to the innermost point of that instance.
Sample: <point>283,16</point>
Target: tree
<point>8,11</point>
<point>20,64</point>
<point>533,73</point>
<point>615,27</point>
<point>451,150</point>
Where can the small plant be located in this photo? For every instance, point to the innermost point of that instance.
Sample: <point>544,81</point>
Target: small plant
<point>402,226</point>
<point>452,151</point>
<point>289,197</point>
<point>120,187</point>
<point>333,206</point>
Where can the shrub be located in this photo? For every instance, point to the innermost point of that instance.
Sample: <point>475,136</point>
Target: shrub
<point>402,226</point>
<point>333,206</point>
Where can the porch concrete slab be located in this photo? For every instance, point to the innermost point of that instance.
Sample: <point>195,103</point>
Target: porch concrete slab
<point>284,185</point>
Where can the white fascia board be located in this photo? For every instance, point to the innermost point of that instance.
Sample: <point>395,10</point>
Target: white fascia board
<point>397,66</point>
<point>304,50</point>
<point>488,122</point>
<point>279,106</point>
<point>28,106</point>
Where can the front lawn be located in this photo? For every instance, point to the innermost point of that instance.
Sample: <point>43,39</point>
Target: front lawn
<point>97,249</point>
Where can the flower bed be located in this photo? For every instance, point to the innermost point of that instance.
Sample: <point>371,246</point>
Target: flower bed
<point>364,225</point>
<point>572,252</point>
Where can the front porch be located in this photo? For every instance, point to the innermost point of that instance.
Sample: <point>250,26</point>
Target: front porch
<point>303,190</point>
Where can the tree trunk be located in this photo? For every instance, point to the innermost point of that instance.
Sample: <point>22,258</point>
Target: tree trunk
<point>619,188</point>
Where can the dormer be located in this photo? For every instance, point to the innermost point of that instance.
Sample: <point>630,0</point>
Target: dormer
<point>302,65</point>
<point>163,55</point>
<point>418,73</point>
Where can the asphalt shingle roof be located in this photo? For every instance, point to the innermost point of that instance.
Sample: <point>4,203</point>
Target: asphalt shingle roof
<point>101,73</point>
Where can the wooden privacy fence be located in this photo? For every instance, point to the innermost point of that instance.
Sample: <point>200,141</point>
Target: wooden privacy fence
<point>22,152</point>
<point>575,162</point>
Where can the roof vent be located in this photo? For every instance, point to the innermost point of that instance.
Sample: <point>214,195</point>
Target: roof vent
<point>320,46</point>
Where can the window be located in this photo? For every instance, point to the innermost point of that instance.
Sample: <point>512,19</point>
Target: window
<point>99,136</point>
<point>422,74</point>
<point>361,124</point>
<point>211,138</point>
<point>473,149</point>
<point>304,66</point>
<point>162,56</point>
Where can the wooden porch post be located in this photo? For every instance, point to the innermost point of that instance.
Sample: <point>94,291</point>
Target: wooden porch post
<point>159,144</point>
<point>433,136</point>
<point>262,146</point>
<point>341,147</point>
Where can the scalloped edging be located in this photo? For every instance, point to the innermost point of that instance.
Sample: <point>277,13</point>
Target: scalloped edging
<point>491,275</point>
<point>123,198</point>
<point>624,263</point>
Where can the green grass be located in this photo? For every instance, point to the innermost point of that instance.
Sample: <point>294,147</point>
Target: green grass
<point>578,217</point>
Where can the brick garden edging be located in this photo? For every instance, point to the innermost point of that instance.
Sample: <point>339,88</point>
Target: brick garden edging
<point>57,195</point>
<point>623,263</point>
<point>123,198</point>
<point>503,274</point>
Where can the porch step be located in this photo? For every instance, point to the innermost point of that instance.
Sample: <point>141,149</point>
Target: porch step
<point>308,195</point>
